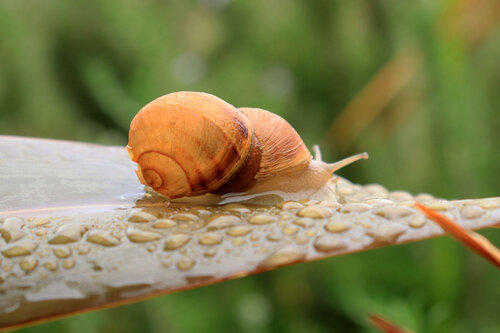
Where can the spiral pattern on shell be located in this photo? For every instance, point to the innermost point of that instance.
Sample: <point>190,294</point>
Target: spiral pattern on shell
<point>189,143</point>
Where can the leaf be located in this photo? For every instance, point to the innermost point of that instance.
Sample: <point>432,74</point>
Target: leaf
<point>79,233</point>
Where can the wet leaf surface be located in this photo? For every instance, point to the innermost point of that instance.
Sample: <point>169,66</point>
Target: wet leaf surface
<point>78,231</point>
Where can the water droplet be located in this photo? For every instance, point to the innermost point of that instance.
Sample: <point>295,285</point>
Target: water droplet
<point>68,263</point>
<point>28,264</point>
<point>201,211</point>
<point>10,229</point>
<point>439,205</point>
<point>328,242</point>
<point>20,248</point>
<point>490,203</point>
<point>330,204</point>
<point>210,253</point>
<point>185,264</point>
<point>355,208</point>
<point>376,190</point>
<point>471,212</point>
<point>262,219</point>
<point>310,233</point>
<point>393,213</point>
<point>290,205</point>
<point>290,230</point>
<point>336,227</point>
<point>315,212</point>
<point>222,221</point>
<point>386,233</point>
<point>285,216</point>
<point>183,226</point>
<point>239,241</point>
<point>239,230</point>
<point>424,197</point>
<point>142,236</point>
<point>210,238</point>
<point>382,202</point>
<point>236,208</point>
<point>409,203</point>
<point>166,263</point>
<point>140,216</point>
<point>83,249</point>
<point>400,196</point>
<point>41,233</point>
<point>176,241</point>
<point>62,252</point>
<point>184,217</point>
<point>41,222</point>
<point>304,222</point>
<point>95,266</point>
<point>102,237</point>
<point>274,237</point>
<point>50,265</point>
<point>284,256</point>
<point>300,239</point>
<point>417,221</point>
<point>68,233</point>
<point>164,224</point>
<point>308,202</point>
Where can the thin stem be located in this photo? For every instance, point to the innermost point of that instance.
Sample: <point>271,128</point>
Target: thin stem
<point>473,240</point>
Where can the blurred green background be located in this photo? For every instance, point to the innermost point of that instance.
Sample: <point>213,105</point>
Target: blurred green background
<point>416,84</point>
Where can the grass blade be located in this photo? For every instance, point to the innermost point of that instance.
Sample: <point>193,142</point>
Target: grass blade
<point>472,240</point>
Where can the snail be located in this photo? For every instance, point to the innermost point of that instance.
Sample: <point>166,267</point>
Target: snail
<point>189,144</point>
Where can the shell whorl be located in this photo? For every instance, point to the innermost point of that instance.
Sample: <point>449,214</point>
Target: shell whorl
<point>189,143</point>
<point>283,151</point>
<point>277,149</point>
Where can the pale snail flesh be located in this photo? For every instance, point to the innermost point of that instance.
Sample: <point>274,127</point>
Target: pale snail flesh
<point>192,144</point>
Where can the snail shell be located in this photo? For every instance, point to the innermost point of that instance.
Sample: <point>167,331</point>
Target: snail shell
<point>187,143</point>
<point>190,143</point>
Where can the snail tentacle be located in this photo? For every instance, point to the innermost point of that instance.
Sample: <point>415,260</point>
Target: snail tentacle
<point>332,167</point>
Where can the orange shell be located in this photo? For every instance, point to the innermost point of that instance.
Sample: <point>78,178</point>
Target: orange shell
<point>282,149</point>
<point>188,143</point>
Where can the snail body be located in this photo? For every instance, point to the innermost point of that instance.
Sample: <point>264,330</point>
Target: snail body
<point>188,144</point>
